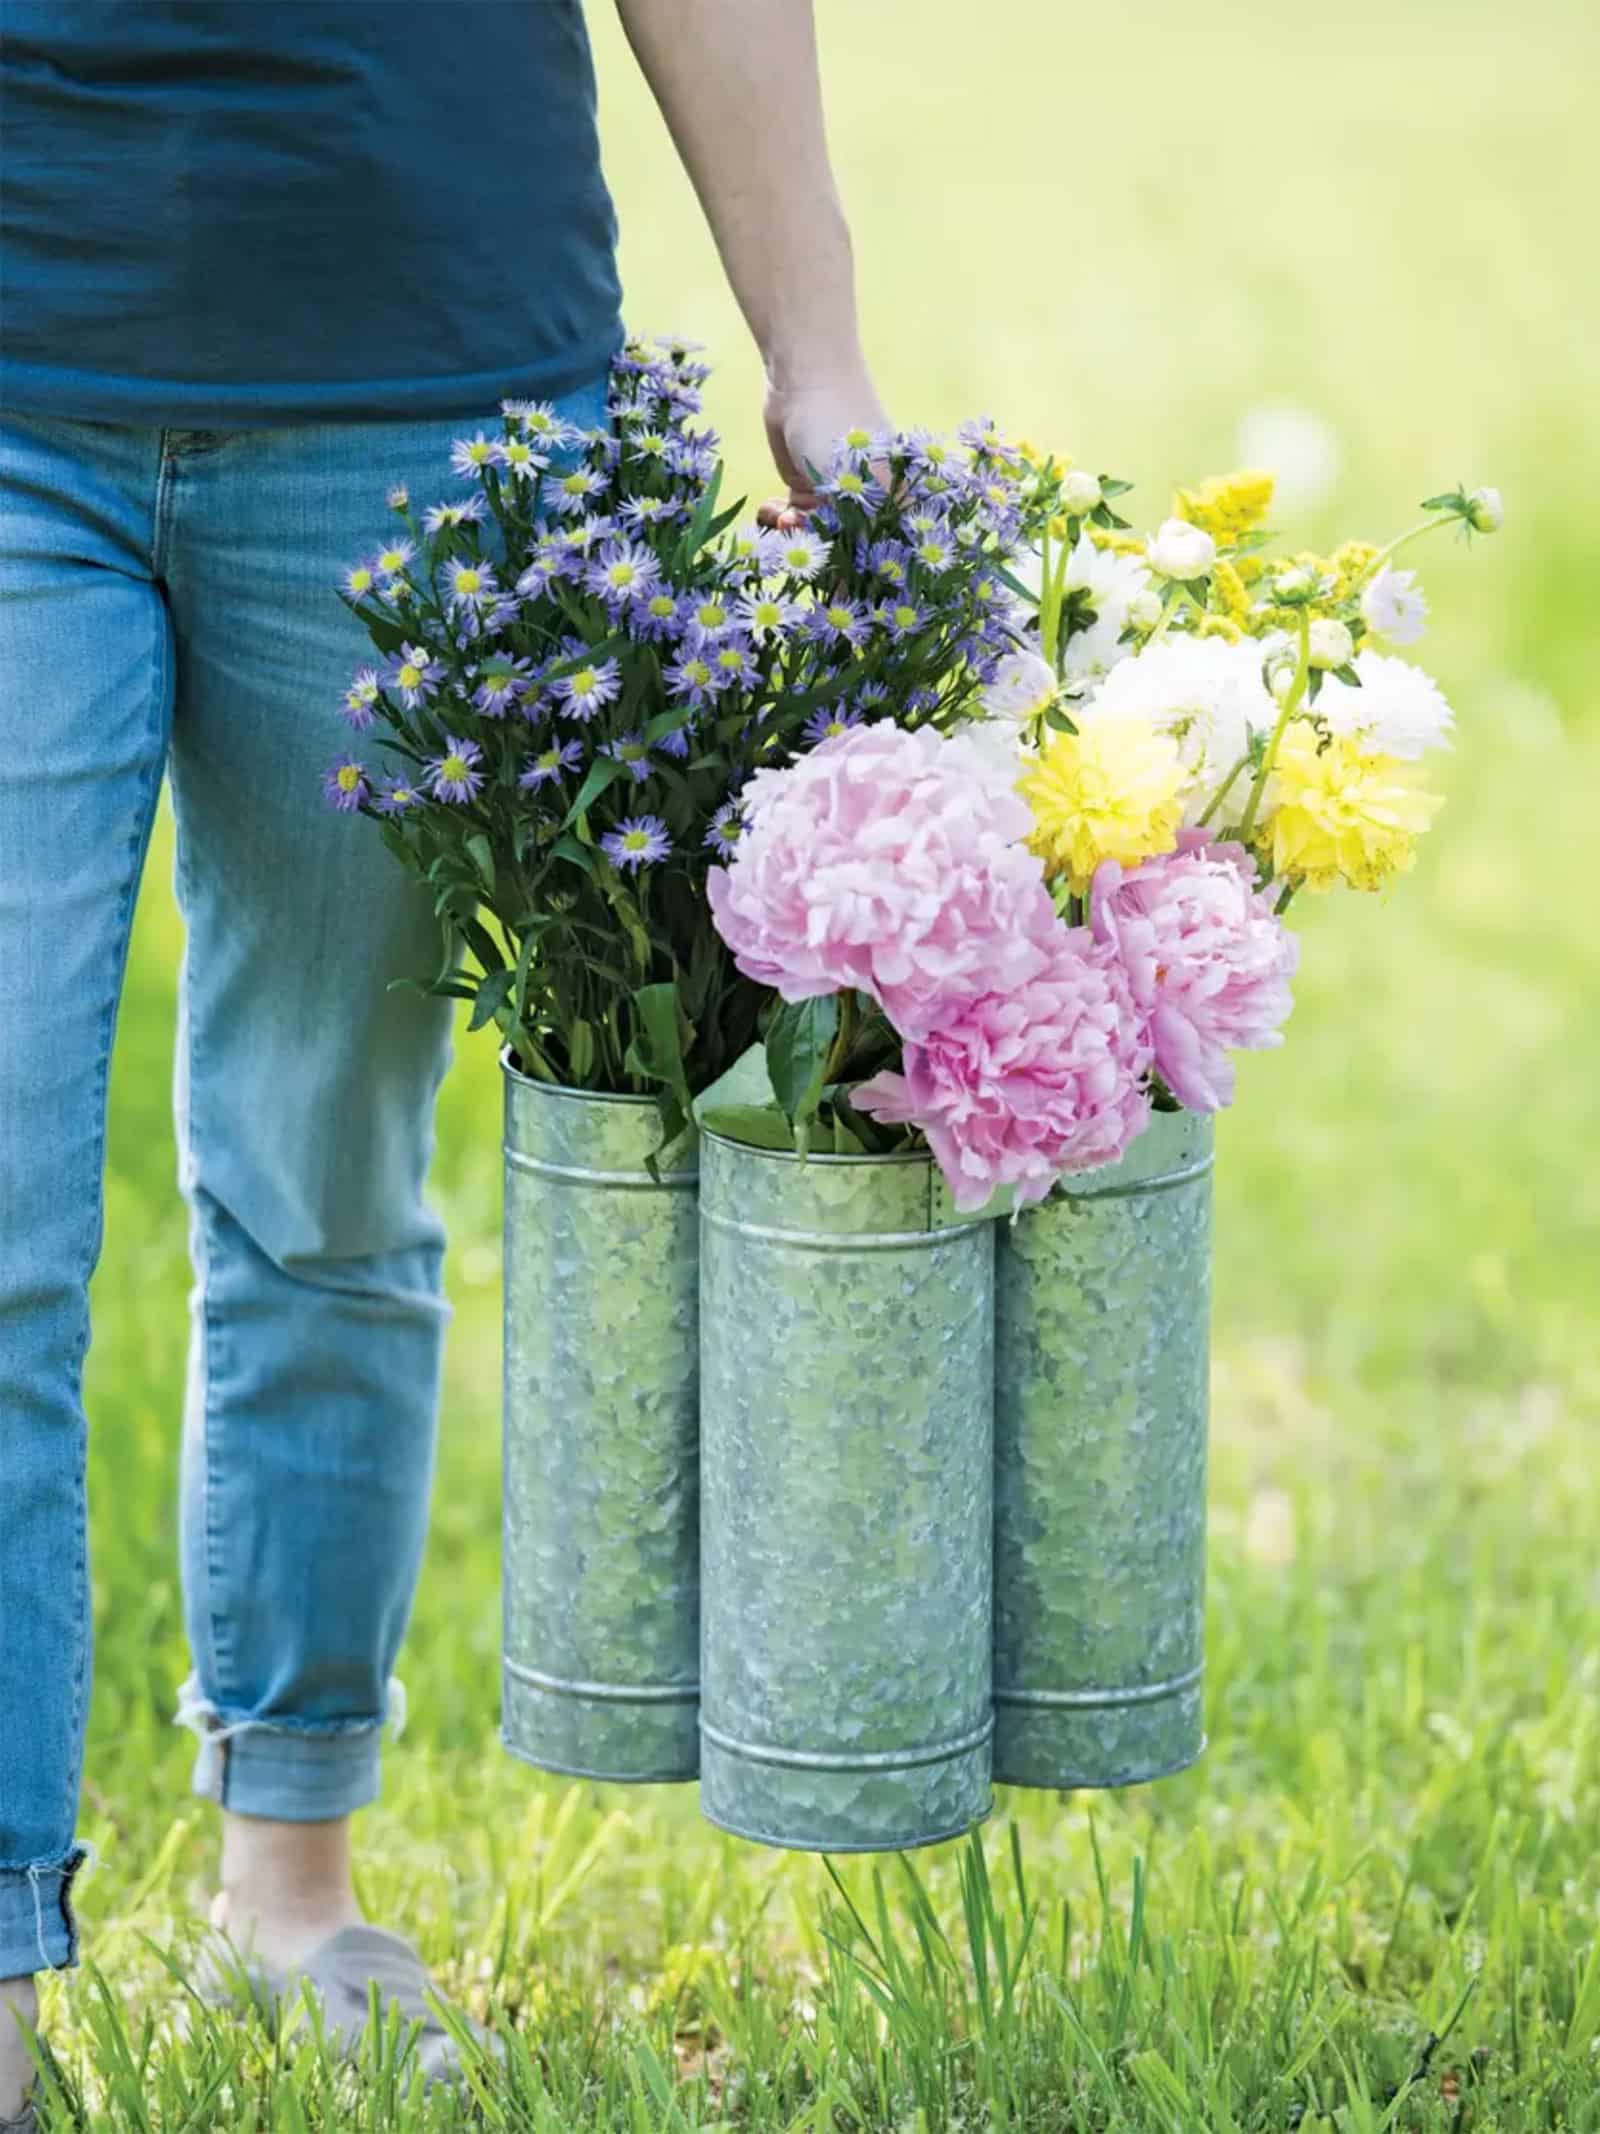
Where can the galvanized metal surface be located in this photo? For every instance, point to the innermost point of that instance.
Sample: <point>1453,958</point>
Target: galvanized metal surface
<point>1101,1404</point>
<point>847,1380</point>
<point>601,1507</point>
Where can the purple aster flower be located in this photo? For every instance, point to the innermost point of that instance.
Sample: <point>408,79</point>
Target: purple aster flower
<point>360,706</point>
<point>692,679</point>
<point>550,764</point>
<point>855,483</point>
<point>827,723</point>
<point>632,751</point>
<point>889,560</point>
<point>344,784</point>
<point>470,456</point>
<point>412,676</point>
<point>795,554</point>
<point>504,681</point>
<point>541,423</point>
<point>570,493</point>
<point>640,512</point>
<point>471,585</point>
<point>733,658</point>
<point>837,622</point>
<point>361,579</point>
<point>637,842</point>
<point>764,615</point>
<point>693,457</point>
<point>536,579</point>
<point>676,743</point>
<point>655,618</point>
<point>900,618</point>
<point>707,618</point>
<point>522,460</point>
<point>399,497</point>
<point>455,775</point>
<point>725,827</point>
<point>398,795</point>
<point>621,573</point>
<point>439,516</point>
<point>583,692</point>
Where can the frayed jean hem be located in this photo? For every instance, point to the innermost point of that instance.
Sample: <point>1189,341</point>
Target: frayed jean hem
<point>312,1772</point>
<point>38,1929</point>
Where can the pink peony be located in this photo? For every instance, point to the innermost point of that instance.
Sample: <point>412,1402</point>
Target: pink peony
<point>1045,1077</point>
<point>891,861</point>
<point>1207,960</point>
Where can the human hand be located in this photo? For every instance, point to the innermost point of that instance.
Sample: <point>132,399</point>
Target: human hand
<point>805,421</point>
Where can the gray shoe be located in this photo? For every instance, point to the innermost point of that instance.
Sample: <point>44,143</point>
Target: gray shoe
<point>337,1974</point>
<point>24,2123</point>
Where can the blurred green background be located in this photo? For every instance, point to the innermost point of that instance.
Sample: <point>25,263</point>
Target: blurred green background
<point>1150,237</point>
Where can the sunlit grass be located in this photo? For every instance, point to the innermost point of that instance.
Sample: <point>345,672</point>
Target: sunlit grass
<point>1119,231</point>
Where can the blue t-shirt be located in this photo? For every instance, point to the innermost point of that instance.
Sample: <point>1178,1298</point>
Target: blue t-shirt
<point>236,212</point>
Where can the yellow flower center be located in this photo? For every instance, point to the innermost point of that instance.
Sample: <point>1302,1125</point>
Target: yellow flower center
<point>584,680</point>
<point>410,675</point>
<point>349,777</point>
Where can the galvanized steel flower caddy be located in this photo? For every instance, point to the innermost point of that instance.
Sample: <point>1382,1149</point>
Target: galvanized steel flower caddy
<point>601,1512</point>
<point>1101,1408</point>
<point>847,1319</point>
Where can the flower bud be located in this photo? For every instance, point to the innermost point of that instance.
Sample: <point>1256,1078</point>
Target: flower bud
<point>1144,609</point>
<point>1331,644</point>
<point>1080,492</point>
<point>1485,512</point>
<point>1181,551</point>
<point>1292,584</point>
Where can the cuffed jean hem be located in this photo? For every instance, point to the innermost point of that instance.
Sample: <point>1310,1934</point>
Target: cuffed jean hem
<point>291,1776</point>
<point>38,1930</point>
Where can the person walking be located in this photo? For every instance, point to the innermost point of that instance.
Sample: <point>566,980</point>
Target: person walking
<point>248,255</point>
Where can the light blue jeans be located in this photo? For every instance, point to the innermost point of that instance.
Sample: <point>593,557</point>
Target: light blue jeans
<point>168,603</point>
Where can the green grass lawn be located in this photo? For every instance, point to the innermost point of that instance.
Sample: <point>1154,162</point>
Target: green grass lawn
<point>1119,230</point>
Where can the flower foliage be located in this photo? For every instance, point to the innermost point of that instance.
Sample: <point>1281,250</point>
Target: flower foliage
<point>584,666</point>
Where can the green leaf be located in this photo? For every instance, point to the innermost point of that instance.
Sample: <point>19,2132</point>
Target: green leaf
<point>604,771</point>
<point>662,1037</point>
<point>492,997</point>
<point>799,1039</point>
<point>478,846</point>
<point>746,1083</point>
<point>580,1051</point>
<point>1056,719</point>
<point>756,1125</point>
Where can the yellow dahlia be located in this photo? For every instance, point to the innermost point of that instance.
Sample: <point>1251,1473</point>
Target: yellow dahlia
<point>1110,792</point>
<point>1339,813</point>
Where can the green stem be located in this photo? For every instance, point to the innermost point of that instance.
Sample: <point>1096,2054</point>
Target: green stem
<point>1291,704</point>
<point>844,1037</point>
<point>1413,533</point>
<point>1222,792</point>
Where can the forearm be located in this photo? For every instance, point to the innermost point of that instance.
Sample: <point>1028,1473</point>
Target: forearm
<point>738,86</point>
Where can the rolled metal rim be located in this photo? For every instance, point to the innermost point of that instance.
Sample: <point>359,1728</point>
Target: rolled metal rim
<point>562,1090</point>
<point>915,1841</point>
<point>749,1148</point>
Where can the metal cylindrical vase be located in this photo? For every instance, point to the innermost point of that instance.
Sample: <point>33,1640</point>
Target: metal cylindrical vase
<point>1102,1306</point>
<point>601,1508</point>
<point>847,1377</point>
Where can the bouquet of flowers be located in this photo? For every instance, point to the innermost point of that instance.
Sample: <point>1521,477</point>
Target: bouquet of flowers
<point>586,666</point>
<point>1017,935</point>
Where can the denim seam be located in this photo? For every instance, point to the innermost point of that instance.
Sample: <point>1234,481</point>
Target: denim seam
<point>137,845</point>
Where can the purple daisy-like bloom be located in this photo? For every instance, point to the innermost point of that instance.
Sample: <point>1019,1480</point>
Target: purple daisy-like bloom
<point>694,458</point>
<point>637,842</point>
<point>592,685</point>
<point>454,775</point>
<point>397,797</point>
<point>692,679</point>
<point>676,743</point>
<point>640,512</point>
<point>344,784</point>
<point>470,456</point>
<point>766,614</point>
<point>504,681</point>
<point>360,705</point>
<point>621,573</point>
<point>890,561</point>
<point>570,493</point>
<point>853,482</point>
<point>471,512</point>
<point>544,426</point>
<point>725,827</point>
<point>360,581</point>
<point>522,459</point>
<point>470,585</point>
<point>901,618</point>
<point>654,619</point>
<point>733,657</point>
<point>412,676</point>
<point>632,751</point>
<point>829,722</point>
<point>551,764</point>
<point>837,622</point>
<point>707,618</point>
<point>797,553</point>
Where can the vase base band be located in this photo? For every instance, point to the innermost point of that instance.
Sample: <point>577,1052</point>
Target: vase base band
<point>804,1808</point>
<point>1066,1749</point>
<point>787,1842</point>
<point>603,1692</point>
<point>638,1738</point>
